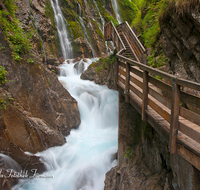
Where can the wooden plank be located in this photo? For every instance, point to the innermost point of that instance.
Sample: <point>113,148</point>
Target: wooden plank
<point>152,90</point>
<point>136,71</point>
<point>117,70</point>
<point>136,81</point>
<point>132,50</point>
<point>165,101</point>
<point>190,99</point>
<point>140,46</point>
<point>166,89</point>
<point>189,156</point>
<point>121,72</point>
<point>122,64</point>
<point>137,90</point>
<point>174,116</point>
<point>190,129</point>
<point>158,123</point>
<point>151,70</point>
<point>189,115</point>
<point>121,80</point>
<point>127,87</point>
<point>189,84</point>
<point>160,108</point>
<point>145,94</point>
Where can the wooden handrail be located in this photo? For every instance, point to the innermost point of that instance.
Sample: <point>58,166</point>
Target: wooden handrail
<point>179,126</point>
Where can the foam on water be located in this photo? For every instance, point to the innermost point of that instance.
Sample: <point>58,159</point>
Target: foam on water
<point>82,162</point>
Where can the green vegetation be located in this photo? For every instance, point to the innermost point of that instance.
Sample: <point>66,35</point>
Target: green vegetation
<point>105,62</point>
<point>3,73</point>
<point>130,154</point>
<point>126,6</point>
<point>146,22</point>
<point>97,30</point>
<point>4,101</point>
<point>18,39</point>
<point>76,30</point>
<point>49,12</point>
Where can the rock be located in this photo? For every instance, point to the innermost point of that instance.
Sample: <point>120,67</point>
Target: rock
<point>103,75</point>
<point>79,67</point>
<point>52,61</point>
<point>30,133</point>
<point>54,69</point>
<point>26,161</point>
<point>76,59</point>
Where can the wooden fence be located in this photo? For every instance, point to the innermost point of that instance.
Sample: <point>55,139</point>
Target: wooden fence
<point>160,103</point>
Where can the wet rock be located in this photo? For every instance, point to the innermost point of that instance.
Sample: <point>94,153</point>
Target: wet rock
<point>26,161</point>
<point>103,75</point>
<point>76,59</point>
<point>79,67</point>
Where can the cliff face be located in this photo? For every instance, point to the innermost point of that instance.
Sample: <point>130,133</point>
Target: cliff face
<point>36,112</point>
<point>180,40</point>
<point>144,161</point>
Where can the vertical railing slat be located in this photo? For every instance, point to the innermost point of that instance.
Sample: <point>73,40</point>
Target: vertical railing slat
<point>127,87</point>
<point>174,116</point>
<point>145,94</point>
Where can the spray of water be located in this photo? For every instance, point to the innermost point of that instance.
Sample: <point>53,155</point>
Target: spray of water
<point>82,162</point>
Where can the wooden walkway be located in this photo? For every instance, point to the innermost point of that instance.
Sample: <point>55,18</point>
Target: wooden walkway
<point>159,103</point>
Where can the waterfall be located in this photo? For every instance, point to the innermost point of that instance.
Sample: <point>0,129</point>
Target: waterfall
<point>101,17</point>
<point>116,9</point>
<point>79,10</point>
<point>86,36</point>
<point>82,162</point>
<point>62,32</point>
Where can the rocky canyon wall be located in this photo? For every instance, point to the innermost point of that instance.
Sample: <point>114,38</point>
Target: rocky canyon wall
<point>144,160</point>
<point>180,39</point>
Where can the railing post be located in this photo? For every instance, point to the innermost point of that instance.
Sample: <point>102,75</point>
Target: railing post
<point>117,71</point>
<point>145,94</point>
<point>174,116</point>
<point>127,87</point>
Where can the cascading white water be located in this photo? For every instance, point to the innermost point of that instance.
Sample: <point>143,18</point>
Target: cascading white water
<point>116,9</point>
<point>62,32</point>
<point>86,36</point>
<point>82,162</point>
<point>101,17</point>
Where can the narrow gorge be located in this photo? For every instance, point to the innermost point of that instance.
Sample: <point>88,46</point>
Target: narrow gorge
<point>64,124</point>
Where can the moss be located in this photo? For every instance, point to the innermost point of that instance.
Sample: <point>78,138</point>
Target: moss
<point>49,12</point>
<point>103,63</point>
<point>76,29</point>
<point>97,30</point>
<point>126,6</point>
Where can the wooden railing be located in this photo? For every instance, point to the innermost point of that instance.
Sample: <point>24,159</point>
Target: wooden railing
<point>161,103</point>
<point>133,41</point>
<point>111,34</point>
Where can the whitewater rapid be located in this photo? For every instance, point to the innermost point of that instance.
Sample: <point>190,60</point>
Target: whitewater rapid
<point>82,162</point>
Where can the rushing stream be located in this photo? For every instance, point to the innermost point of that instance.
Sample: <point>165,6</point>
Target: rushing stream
<point>82,162</point>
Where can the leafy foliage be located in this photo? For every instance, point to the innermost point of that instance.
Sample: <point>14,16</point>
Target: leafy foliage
<point>3,73</point>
